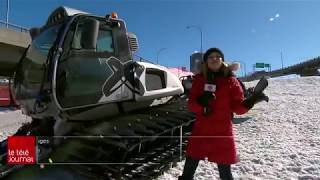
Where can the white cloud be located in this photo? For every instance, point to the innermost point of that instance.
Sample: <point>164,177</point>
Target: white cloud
<point>274,18</point>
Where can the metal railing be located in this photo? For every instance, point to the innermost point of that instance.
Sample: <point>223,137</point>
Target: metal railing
<point>141,59</point>
<point>13,26</point>
<point>313,63</point>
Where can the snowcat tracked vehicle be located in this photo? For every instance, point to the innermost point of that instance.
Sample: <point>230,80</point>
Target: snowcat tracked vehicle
<point>92,105</point>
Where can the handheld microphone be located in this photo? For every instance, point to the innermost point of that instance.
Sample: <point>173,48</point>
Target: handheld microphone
<point>209,90</point>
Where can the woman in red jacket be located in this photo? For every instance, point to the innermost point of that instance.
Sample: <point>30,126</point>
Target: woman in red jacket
<point>215,95</point>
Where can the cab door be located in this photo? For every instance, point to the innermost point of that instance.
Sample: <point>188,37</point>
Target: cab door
<point>89,76</point>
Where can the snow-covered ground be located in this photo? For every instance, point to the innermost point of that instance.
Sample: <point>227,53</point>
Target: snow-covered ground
<point>275,140</point>
<point>282,138</point>
<point>10,121</point>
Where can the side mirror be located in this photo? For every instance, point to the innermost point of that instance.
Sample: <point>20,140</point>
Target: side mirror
<point>89,35</point>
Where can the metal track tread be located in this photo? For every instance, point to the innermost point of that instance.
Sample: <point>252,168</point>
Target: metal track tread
<point>138,145</point>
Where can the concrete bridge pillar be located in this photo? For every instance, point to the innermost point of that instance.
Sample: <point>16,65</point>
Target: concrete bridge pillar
<point>12,46</point>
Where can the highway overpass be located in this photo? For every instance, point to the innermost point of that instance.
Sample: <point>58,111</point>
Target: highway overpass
<point>12,45</point>
<point>306,68</point>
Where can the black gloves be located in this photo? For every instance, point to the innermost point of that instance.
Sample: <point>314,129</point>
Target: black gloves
<point>255,94</point>
<point>254,98</point>
<point>204,101</point>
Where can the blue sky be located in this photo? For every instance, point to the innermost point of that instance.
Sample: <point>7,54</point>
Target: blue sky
<point>243,29</point>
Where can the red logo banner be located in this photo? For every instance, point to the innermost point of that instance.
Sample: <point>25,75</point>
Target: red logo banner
<point>21,150</point>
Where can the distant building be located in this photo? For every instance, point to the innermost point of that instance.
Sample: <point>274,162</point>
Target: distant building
<point>195,62</point>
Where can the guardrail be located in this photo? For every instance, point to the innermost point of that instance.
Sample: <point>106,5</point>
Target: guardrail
<point>293,69</point>
<point>141,59</point>
<point>13,26</point>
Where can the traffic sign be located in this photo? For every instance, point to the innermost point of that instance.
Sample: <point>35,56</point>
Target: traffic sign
<point>260,65</point>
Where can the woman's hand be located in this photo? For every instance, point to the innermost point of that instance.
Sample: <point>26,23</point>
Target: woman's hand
<point>255,98</point>
<point>205,99</point>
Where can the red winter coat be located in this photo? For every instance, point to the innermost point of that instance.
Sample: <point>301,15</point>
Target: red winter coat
<point>212,135</point>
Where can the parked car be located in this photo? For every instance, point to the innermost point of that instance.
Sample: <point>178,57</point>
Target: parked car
<point>5,94</point>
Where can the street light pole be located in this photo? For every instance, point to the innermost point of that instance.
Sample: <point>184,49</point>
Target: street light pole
<point>7,19</point>
<point>162,49</point>
<point>281,59</point>
<point>201,40</point>
<point>244,67</point>
<point>199,28</point>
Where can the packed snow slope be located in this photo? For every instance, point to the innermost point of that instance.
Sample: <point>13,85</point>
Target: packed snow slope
<point>275,140</point>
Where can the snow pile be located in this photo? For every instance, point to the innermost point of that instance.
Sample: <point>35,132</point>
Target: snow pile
<point>291,76</point>
<point>10,121</point>
<point>275,140</point>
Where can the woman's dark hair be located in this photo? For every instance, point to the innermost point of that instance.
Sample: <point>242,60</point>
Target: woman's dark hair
<point>211,50</point>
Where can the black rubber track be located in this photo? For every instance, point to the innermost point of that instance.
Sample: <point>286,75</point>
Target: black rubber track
<point>139,145</point>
